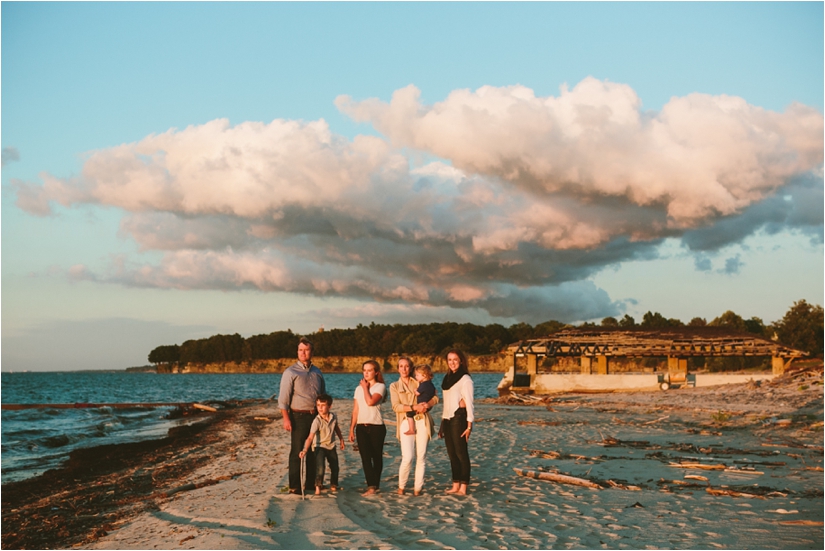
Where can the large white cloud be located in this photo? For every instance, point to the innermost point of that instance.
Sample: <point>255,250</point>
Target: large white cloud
<point>541,194</point>
<point>700,156</point>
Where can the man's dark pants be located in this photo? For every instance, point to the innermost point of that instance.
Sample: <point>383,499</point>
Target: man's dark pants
<point>301,423</point>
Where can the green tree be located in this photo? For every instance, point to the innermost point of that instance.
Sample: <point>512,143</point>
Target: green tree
<point>756,326</point>
<point>610,321</point>
<point>654,320</point>
<point>729,320</point>
<point>697,322</point>
<point>627,321</point>
<point>801,327</point>
<point>165,354</point>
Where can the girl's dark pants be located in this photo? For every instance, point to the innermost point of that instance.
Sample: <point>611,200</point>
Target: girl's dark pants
<point>370,440</point>
<point>457,446</point>
<point>332,457</point>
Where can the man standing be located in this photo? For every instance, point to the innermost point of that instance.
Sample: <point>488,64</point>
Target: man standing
<point>301,383</point>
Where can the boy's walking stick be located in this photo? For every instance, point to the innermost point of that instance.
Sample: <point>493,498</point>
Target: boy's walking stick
<point>303,469</point>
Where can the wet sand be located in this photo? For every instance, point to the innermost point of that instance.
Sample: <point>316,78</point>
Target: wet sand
<point>768,438</point>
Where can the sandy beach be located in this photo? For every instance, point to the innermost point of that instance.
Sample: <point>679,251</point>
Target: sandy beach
<point>738,466</point>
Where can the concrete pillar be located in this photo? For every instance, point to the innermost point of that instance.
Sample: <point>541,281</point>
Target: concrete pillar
<point>778,365</point>
<point>601,365</point>
<point>532,363</point>
<point>586,365</point>
<point>511,373</point>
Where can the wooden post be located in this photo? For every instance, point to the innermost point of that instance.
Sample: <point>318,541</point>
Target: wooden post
<point>778,365</point>
<point>601,365</point>
<point>586,365</point>
<point>676,365</point>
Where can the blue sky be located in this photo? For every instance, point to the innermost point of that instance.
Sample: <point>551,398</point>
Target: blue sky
<point>398,163</point>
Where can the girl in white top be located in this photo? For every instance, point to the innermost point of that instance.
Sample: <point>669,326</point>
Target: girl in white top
<point>367,425</point>
<point>457,419</point>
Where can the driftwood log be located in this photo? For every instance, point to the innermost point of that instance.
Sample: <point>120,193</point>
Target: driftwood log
<point>560,478</point>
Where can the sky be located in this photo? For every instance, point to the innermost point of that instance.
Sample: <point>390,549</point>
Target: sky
<point>177,170</point>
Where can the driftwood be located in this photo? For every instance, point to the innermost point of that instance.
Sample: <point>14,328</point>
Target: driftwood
<point>624,486</point>
<point>543,423</point>
<point>732,493</point>
<point>656,420</point>
<point>801,522</point>
<point>696,477</point>
<point>204,408</point>
<point>698,466</point>
<point>545,455</point>
<point>742,471</point>
<point>765,463</point>
<point>560,478</point>
<point>558,455</point>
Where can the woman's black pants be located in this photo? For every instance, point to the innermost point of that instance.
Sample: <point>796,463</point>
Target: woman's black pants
<point>457,446</point>
<point>370,440</point>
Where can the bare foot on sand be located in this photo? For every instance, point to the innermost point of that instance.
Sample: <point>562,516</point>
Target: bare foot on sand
<point>370,491</point>
<point>416,492</point>
<point>401,491</point>
<point>454,489</point>
<point>317,490</point>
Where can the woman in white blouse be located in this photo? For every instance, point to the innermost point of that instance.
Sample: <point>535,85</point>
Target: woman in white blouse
<point>402,394</point>
<point>367,425</point>
<point>457,419</point>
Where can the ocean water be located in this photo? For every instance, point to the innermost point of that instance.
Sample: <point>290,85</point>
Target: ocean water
<point>36,440</point>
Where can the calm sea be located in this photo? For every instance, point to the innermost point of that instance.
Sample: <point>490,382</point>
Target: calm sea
<point>35,440</point>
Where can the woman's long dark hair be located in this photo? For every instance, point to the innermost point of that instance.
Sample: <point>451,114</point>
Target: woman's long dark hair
<point>452,378</point>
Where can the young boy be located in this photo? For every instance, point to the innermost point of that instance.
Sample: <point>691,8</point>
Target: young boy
<point>424,393</point>
<point>325,425</point>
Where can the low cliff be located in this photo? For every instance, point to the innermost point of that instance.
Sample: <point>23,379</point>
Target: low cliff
<point>339,364</point>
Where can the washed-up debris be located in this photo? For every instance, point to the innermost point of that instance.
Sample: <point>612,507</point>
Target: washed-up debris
<point>620,486</point>
<point>702,466</point>
<point>560,478</point>
<point>783,512</point>
<point>762,463</point>
<point>732,493</point>
<point>656,420</point>
<point>542,423</point>
<point>743,471</point>
<point>201,484</point>
<point>801,522</point>
<point>204,408</point>
<point>696,477</point>
<point>558,455</point>
<point>545,455</point>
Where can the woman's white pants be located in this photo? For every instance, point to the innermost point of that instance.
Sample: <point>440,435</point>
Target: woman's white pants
<point>413,444</point>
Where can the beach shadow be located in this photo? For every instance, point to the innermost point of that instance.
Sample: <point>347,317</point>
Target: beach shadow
<point>260,538</point>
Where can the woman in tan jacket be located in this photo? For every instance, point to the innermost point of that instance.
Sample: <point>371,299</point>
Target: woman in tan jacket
<point>402,394</point>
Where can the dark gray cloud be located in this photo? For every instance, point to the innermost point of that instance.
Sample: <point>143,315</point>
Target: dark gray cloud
<point>9,155</point>
<point>798,206</point>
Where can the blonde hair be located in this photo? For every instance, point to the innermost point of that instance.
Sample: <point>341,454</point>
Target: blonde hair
<point>426,370</point>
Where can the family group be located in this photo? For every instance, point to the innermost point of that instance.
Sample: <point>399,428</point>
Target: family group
<point>307,415</point>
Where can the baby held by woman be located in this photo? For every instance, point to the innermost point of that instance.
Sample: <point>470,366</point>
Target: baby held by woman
<point>425,393</point>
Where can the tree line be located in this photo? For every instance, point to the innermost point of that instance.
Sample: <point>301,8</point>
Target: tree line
<point>801,327</point>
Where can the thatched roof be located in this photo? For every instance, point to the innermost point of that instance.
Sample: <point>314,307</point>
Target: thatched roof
<point>670,341</point>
